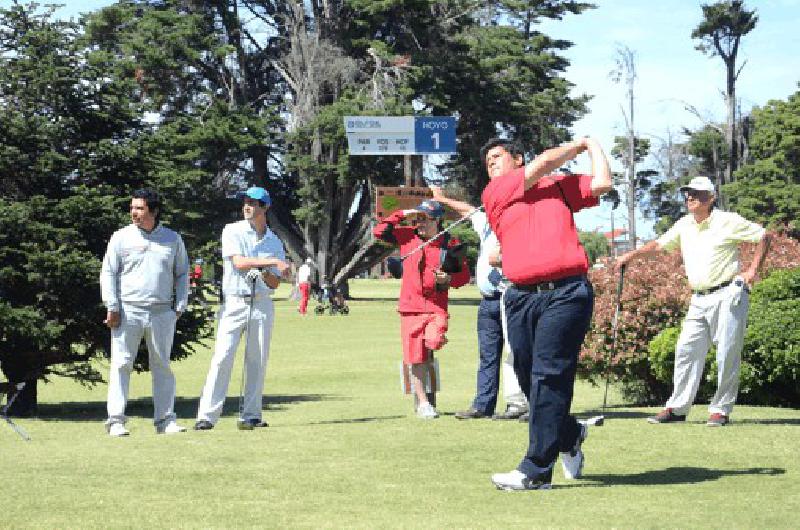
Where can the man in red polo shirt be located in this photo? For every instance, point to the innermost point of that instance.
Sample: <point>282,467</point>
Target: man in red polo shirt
<point>423,290</point>
<point>548,306</point>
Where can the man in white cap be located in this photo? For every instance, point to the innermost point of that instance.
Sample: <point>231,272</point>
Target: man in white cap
<point>144,283</point>
<point>709,241</point>
<point>253,263</point>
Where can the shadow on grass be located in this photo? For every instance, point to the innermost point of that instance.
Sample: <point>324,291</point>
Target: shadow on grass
<point>767,421</point>
<point>369,419</point>
<point>674,475</point>
<point>614,414</point>
<point>143,408</point>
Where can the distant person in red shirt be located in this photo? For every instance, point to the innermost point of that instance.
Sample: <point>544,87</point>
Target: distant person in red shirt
<point>304,284</point>
<point>423,290</point>
<point>548,306</point>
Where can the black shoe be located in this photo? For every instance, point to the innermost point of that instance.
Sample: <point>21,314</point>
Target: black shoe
<point>511,413</point>
<point>471,414</point>
<point>252,423</point>
<point>525,417</point>
<point>203,425</point>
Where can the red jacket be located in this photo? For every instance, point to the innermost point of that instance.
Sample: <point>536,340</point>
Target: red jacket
<point>418,292</point>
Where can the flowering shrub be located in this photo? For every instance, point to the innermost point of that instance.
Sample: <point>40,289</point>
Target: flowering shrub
<point>655,297</point>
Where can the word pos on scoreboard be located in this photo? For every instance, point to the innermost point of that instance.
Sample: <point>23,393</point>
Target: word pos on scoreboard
<point>400,135</point>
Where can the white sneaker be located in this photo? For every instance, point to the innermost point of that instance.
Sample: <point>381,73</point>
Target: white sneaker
<point>117,429</point>
<point>170,428</point>
<point>572,461</point>
<point>518,481</point>
<point>427,412</point>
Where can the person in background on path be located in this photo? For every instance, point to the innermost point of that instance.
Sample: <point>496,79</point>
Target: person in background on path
<point>423,290</point>
<point>253,265</point>
<point>548,304</point>
<point>491,337</point>
<point>144,283</point>
<point>709,240</point>
<point>304,284</point>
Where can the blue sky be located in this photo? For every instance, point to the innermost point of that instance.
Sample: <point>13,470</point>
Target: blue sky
<point>670,71</point>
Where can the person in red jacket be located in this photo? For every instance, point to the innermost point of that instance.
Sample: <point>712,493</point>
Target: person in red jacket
<point>423,289</point>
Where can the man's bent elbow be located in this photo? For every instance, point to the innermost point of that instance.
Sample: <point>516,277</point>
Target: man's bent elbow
<point>601,188</point>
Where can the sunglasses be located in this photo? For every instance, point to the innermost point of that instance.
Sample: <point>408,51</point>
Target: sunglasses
<point>701,196</point>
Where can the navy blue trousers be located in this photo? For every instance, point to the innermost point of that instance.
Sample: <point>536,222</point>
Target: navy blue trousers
<point>490,343</point>
<point>545,331</point>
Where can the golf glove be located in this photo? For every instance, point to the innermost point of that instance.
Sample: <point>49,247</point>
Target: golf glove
<point>738,282</point>
<point>252,275</point>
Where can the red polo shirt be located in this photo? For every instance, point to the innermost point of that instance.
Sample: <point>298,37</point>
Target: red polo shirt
<point>536,230</point>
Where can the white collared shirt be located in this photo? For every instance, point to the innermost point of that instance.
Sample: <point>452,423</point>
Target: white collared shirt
<point>710,249</point>
<point>486,277</point>
<point>241,239</point>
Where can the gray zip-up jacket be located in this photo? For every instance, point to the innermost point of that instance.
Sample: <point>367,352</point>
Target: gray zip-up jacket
<point>143,269</point>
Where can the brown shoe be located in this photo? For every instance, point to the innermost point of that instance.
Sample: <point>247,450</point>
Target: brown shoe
<point>717,420</point>
<point>666,416</point>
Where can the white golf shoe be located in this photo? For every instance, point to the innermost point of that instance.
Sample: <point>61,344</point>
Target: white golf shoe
<point>427,412</point>
<point>117,429</point>
<point>572,461</point>
<point>518,481</point>
<point>169,428</point>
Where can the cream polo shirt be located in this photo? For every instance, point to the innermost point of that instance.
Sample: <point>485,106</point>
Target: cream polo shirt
<point>710,249</point>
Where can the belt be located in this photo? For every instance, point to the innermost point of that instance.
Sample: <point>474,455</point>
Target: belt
<point>712,289</point>
<point>491,297</point>
<point>548,286</point>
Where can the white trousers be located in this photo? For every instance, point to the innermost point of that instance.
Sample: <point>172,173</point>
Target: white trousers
<point>156,324</point>
<point>719,318</point>
<point>512,393</point>
<point>232,325</point>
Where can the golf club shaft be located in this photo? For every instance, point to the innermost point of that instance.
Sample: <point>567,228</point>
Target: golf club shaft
<point>246,349</point>
<point>434,238</point>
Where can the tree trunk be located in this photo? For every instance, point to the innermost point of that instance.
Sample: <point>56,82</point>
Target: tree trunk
<point>730,129</point>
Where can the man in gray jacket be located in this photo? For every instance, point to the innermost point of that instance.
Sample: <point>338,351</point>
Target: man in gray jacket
<point>145,288</point>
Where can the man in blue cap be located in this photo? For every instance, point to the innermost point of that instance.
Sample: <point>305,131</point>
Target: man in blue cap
<point>253,263</point>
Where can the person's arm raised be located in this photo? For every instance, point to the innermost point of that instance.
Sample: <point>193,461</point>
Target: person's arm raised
<point>461,208</point>
<point>552,159</point>
<point>601,172</point>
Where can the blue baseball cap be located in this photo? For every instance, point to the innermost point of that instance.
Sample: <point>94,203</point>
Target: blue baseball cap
<point>259,194</point>
<point>431,208</point>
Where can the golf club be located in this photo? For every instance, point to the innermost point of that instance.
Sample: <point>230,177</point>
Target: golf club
<point>435,237</point>
<point>242,424</point>
<point>599,420</point>
<point>395,264</point>
<point>19,430</point>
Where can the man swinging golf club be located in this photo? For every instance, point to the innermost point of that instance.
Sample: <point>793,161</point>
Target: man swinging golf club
<point>548,306</point>
<point>253,264</point>
<point>491,337</point>
<point>423,291</point>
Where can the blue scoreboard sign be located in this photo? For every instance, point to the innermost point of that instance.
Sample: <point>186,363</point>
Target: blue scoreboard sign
<point>434,135</point>
<point>401,135</point>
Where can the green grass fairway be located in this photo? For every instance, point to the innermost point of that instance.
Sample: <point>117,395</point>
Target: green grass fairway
<point>345,450</point>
